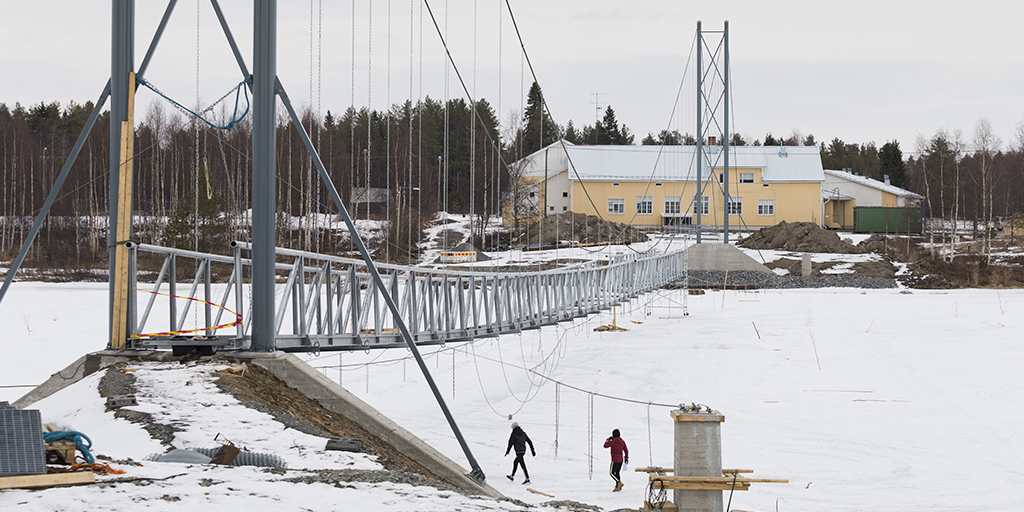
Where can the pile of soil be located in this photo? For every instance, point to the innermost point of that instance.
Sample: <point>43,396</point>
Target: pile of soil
<point>579,228</point>
<point>448,239</point>
<point>966,271</point>
<point>800,237</point>
<point>883,268</point>
<point>259,389</point>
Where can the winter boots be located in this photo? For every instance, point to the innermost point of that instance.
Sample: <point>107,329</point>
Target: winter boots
<point>618,487</point>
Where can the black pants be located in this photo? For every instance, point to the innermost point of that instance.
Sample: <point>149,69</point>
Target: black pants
<point>614,471</point>
<point>520,461</point>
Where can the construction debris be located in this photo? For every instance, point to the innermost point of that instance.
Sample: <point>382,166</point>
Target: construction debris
<point>117,402</point>
<point>344,444</point>
<point>609,327</point>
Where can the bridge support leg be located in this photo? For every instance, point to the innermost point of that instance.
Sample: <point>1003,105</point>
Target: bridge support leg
<point>477,473</point>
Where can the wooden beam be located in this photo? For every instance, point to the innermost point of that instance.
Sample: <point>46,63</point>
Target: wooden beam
<point>538,492</point>
<point>717,479</point>
<point>119,325</point>
<point>704,486</point>
<point>56,479</point>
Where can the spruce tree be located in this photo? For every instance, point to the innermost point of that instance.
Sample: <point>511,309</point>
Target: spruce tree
<point>537,122</point>
<point>890,161</point>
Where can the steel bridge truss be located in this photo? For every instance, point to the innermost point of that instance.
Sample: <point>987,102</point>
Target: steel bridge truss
<point>329,303</point>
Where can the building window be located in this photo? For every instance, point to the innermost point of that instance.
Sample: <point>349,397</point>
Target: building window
<point>766,207</point>
<point>533,194</point>
<point>551,208</point>
<point>735,206</point>
<point>565,208</point>
<point>673,204</point>
<point>721,177</point>
<point>565,194</point>
<point>657,184</point>
<point>746,177</point>
<point>644,205</point>
<point>705,206</point>
<point>615,184</point>
<point>616,205</point>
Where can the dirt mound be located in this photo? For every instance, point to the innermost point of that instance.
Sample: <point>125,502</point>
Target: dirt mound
<point>259,389</point>
<point>799,237</point>
<point>965,271</point>
<point>448,239</point>
<point>579,228</point>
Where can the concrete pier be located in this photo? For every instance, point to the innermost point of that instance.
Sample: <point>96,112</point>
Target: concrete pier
<point>698,452</point>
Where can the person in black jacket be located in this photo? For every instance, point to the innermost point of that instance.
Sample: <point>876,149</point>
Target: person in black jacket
<point>519,440</point>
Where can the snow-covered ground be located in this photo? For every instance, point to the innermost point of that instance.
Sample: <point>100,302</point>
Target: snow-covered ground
<point>863,399</point>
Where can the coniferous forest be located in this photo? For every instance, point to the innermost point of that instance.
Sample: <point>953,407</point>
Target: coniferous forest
<point>192,188</point>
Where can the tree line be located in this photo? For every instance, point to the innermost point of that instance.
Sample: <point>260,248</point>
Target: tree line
<point>192,188</point>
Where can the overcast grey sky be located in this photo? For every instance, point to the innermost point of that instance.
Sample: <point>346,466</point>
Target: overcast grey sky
<point>862,71</point>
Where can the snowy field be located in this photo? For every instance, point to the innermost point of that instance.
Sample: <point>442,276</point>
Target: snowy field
<point>864,400</point>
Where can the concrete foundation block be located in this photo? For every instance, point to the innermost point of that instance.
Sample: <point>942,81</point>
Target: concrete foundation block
<point>698,452</point>
<point>344,444</point>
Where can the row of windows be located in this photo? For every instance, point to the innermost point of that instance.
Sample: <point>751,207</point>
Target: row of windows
<point>745,177</point>
<point>673,205</point>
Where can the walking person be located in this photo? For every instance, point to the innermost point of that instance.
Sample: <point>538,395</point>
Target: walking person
<point>620,454</point>
<point>519,440</point>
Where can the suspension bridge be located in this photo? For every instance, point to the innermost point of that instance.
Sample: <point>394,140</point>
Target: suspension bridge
<point>330,303</point>
<point>326,303</point>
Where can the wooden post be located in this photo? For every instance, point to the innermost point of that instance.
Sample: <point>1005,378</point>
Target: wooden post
<point>119,331</point>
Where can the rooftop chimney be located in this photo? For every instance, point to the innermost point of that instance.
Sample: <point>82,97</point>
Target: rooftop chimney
<point>712,141</point>
<point>886,179</point>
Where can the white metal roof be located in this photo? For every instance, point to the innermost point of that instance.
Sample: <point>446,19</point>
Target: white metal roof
<point>675,163</point>
<point>873,183</point>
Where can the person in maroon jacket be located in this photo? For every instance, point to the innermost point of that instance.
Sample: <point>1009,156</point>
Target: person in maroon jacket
<point>620,454</point>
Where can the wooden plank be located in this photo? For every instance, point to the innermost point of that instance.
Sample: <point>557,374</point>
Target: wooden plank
<point>733,471</point>
<point>29,481</point>
<point>654,470</point>
<point>705,486</point>
<point>718,479</point>
<point>119,324</point>
<point>538,492</point>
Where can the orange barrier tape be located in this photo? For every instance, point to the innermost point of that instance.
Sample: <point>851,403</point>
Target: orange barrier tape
<point>238,317</point>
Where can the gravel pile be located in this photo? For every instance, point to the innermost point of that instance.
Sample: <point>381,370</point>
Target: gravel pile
<point>751,279</point>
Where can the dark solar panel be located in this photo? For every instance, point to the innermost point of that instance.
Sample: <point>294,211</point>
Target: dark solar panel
<point>21,442</point>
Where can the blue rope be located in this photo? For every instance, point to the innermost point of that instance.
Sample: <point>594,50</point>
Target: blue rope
<point>82,442</point>
<point>238,92</point>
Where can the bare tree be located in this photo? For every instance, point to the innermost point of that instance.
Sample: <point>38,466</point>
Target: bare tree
<point>986,145</point>
<point>957,146</point>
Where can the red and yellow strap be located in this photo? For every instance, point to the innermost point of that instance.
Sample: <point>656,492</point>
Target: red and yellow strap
<point>238,317</point>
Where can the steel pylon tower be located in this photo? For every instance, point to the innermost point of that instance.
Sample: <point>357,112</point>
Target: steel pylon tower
<point>713,81</point>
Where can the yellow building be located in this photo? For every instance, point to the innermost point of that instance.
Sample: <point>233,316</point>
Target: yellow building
<point>657,186</point>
